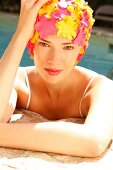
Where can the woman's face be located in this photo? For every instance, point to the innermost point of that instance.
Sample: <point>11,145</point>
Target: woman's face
<point>55,57</point>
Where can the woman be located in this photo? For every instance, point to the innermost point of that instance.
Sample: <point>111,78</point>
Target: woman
<point>54,87</point>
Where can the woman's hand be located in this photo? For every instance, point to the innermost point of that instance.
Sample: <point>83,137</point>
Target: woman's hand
<point>28,13</point>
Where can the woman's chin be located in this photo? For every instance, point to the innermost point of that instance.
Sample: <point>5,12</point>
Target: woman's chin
<point>52,80</point>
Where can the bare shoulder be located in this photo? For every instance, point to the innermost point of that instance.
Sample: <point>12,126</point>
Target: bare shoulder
<point>20,80</point>
<point>98,79</point>
<point>20,76</point>
<point>101,91</point>
<point>102,83</point>
<point>86,72</point>
<point>21,86</point>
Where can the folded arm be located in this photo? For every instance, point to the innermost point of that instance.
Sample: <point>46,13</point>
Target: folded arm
<point>58,137</point>
<point>88,140</point>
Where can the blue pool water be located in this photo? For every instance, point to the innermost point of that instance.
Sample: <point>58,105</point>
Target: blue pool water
<point>8,23</point>
<point>98,57</point>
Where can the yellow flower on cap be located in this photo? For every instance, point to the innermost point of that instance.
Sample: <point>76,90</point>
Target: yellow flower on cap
<point>35,37</point>
<point>87,33</point>
<point>48,9</point>
<point>77,13</point>
<point>67,27</point>
<point>82,50</point>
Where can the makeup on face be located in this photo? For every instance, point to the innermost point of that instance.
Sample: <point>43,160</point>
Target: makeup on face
<point>53,72</point>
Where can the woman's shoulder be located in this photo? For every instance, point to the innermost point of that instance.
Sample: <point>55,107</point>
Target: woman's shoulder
<point>97,85</point>
<point>24,70</point>
<point>98,79</point>
<point>90,73</point>
<point>21,75</point>
<point>86,72</point>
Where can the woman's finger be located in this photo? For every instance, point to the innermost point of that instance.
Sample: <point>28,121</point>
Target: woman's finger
<point>23,2</point>
<point>40,3</point>
<point>31,3</point>
<point>28,3</point>
<point>28,14</point>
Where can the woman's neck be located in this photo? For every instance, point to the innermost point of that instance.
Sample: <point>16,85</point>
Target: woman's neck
<point>58,89</point>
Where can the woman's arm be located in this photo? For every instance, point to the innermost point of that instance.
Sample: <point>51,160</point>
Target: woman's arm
<point>89,139</point>
<point>8,68</point>
<point>12,56</point>
<point>99,120</point>
<point>58,137</point>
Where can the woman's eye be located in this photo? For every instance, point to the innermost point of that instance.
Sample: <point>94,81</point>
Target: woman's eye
<point>68,47</point>
<point>43,44</point>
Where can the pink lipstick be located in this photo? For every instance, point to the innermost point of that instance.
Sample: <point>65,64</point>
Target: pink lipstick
<point>53,72</point>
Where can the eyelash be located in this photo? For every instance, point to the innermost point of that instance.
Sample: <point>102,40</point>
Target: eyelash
<point>65,48</point>
<point>43,44</point>
<point>68,47</point>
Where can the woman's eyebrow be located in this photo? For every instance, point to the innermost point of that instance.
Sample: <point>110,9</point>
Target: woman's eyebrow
<point>44,40</point>
<point>66,43</point>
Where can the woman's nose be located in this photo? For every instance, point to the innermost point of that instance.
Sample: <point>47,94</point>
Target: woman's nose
<point>55,56</point>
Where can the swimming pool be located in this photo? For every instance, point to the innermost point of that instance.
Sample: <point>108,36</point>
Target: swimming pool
<point>8,24</point>
<point>98,57</point>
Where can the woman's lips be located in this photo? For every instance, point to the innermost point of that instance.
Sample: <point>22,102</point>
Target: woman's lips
<point>53,72</point>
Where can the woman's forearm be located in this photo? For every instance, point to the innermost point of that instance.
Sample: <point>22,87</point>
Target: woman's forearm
<point>58,137</point>
<point>8,67</point>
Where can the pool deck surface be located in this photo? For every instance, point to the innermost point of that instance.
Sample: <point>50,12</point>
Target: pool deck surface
<point>11,159</point>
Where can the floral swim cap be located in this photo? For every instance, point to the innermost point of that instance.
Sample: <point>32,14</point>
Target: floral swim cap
<point>71,19</point>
